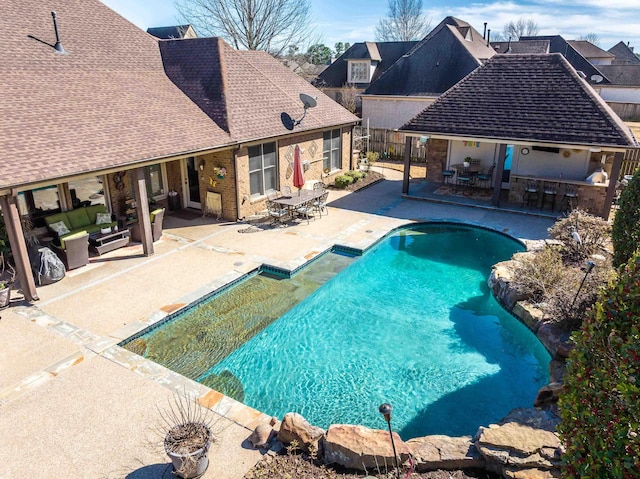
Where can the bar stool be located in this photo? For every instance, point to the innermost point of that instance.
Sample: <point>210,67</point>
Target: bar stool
<point>530,195</point>
<point>570,197</point>
<point>549,194</point>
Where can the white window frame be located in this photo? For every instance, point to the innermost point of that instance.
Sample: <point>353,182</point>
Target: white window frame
<point>163,174</point>
<point>262,168</point>
<point>360,78</point>
<point>326,154</point>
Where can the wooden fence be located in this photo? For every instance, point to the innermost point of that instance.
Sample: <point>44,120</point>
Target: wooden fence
<point>630,163</point>
<point>389,143</point>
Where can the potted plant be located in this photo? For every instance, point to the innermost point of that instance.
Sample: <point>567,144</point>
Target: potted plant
<point>467,162</point>
<point>188,436</point>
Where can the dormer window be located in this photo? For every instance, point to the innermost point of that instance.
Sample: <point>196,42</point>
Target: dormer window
<point>359,72</point>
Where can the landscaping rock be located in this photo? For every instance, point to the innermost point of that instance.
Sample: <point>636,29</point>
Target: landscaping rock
<point>261,436</point>
<point>444,452</point>
<point>557,368</point>
<point>296,428</point>
<point>500,284</point>
<point>530,315</point>
<point>518,446</point>
<point>535,418</point>
<point>555,339</point>
<point>548,394</point>
<point>358,447</point>
<point>530,474</point>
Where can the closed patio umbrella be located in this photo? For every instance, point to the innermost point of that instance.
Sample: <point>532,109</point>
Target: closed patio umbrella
<point>298,175</point>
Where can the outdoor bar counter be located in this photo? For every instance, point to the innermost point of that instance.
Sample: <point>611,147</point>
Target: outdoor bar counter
<point>591,196</point>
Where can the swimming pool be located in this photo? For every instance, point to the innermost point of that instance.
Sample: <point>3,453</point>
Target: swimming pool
<point>412,323</point>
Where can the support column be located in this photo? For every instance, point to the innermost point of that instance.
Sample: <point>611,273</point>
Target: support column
<point>18,247</point>
<point>407,165</point>
<point>144,221</point>
<point>613,179</point>
<point>497,174</point>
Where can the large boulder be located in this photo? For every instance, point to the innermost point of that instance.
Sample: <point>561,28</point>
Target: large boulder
<point>444,452</point>
<point>358,447</point>
<point>296,428</point>
<point>261,435</point>
<point>502,274</point>
<point>514,446</point>
<point>555,339</point>
<point>548,394</point>
<point>529,314</point>
<point>531,474</point>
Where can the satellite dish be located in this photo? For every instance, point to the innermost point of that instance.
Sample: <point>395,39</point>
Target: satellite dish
<point>288,122</point>
<point>308,101</point>
<point>596,78</point>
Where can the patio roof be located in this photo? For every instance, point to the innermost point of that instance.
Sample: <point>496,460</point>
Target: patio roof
<point>525,99</point>
<point>105,104</point>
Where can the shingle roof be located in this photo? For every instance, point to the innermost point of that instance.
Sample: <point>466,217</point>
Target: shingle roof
<point>624,54</point>
<point>557,44</point>
<point>245,92</point>
<point>169,33</point>
<point>335,75</point>
<point>531,46</point>
<point>106,104</point>
<point>452,50</point>
<point>533,98</point>
<point>622,74</point>
<point>589,50</point>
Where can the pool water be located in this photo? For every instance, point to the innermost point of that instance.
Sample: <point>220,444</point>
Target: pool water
<point>412,323</point>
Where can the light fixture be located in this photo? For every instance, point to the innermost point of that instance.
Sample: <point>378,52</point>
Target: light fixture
<point>201,165</point>
<point>385,410</point>
<point>307,102</point>
<point>590,266</point>
<point>595,150</point>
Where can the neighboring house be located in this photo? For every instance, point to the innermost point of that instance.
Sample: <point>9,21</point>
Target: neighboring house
<point>173,32</point>
<point>624,54</point>
<point>593,53</point>
<point>358,67</point>
<point>452,50</point>
<point>124,117</point>
<point>535,119</point>
<point>531,46</point>
<point>308,71</point>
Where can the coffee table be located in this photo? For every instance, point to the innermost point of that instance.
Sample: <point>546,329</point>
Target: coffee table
<point>100,243</point>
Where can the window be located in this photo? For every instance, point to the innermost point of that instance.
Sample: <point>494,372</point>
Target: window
<point>331,149</point>
<point>154,177</point>
<point>87,191</point>
<point>359,72</point>
<point>263,173</point>
<point>39,202</point>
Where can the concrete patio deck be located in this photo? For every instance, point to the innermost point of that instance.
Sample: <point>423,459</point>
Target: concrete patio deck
<point>73,404</point>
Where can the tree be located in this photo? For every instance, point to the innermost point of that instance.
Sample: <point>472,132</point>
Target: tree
<point>270,25</point>
<point>319,54</point>
<point>522,27</point>
<point>625,232</point>
<point>600,406</point>
<point>340,48</point>
<point>593,38</point>
<point>404,22</point>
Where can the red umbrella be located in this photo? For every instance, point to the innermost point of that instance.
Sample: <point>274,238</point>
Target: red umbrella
<point>298,175</point>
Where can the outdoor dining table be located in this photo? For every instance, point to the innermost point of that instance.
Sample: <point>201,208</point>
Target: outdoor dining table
<point>473,168</point>
<point>298,198</point>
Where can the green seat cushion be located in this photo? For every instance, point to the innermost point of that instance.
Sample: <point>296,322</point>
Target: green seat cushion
<point>78,218</point>
<point>58,217</point>
<point>93,210</point>
<point>71,236</point>
<point>153,214</point>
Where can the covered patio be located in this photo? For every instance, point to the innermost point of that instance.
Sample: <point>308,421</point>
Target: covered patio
<point>523,132</point>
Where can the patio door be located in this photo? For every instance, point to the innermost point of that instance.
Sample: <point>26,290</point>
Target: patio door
<point>192,183</point>
<point>506,173</point>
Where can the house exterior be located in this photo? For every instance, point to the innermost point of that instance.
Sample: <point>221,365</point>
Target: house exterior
<point>362,64</point>
<point>172,32</point>
<point>593,53</point>
<point>452,50</point>
<point>534,117</point>
<point>124,118</point>
<point>623,54</point>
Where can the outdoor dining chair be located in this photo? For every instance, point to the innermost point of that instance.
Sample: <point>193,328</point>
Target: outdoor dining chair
<point>485,178</point>
<point>320,204</point>
<point>271,194</point>
<point>464,179</point>
<point>306,210</point>
<point>448,176</point>
<point>277,213</point>
<point>286,190</point>
<point>319,185</point>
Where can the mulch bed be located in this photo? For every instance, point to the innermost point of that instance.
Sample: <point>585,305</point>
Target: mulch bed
<point>371,178</point>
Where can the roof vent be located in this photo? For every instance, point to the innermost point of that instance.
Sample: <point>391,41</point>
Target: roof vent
<point>581,73</point>
<point>58,46</point>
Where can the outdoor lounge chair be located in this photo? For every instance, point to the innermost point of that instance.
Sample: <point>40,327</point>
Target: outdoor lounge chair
<point>73,251</point>
<point>157,216</point>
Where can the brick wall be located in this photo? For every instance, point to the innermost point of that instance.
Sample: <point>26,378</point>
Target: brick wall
<point>436,159</point>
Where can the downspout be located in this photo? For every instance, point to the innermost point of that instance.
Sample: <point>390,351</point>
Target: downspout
<point>237,186</point>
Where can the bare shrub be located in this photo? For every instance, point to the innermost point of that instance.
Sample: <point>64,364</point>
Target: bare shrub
<point>581,234</point>
<point>538,276</point>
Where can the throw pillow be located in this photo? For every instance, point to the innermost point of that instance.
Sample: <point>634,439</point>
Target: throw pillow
<point>60,228</point>
<point>103,218</point>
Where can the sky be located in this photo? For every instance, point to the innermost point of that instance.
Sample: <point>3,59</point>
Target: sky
<point>354,20</point>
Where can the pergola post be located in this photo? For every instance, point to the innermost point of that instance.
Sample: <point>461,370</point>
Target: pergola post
<point>407,165</point>
<point>497,182</point>
<point>18,247</point>
<point>144,221</point>
<point>613,179</point>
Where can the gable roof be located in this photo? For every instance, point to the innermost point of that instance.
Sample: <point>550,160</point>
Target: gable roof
<point>172,32</point>
<point>243,91</point>
<point>622,74</point>
<point>557,44</point>
<point>335,75</point>
<point>106,104</point>
<point>528,98</point>
<point>624,54</point>
<point>531,46</point>
<point>452,50</point>
<point>589,50</point>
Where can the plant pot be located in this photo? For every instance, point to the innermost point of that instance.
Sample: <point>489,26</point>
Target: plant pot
<point>466,164</point>
<point>5,296</point>
<point>188,465</point>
